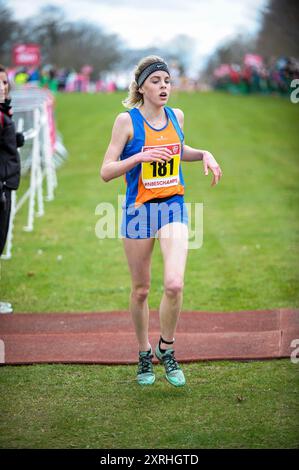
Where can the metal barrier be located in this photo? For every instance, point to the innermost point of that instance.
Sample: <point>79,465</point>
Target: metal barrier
<point>41,155</point>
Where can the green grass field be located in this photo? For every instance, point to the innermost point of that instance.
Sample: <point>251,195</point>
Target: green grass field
<point>248,260</point>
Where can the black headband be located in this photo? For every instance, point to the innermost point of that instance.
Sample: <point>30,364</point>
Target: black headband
<point>156,66</point>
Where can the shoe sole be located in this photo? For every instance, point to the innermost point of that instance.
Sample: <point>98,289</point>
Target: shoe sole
<point>175,385</point>
<point>148,383</point>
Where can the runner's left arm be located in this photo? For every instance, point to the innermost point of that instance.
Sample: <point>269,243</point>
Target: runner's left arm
<point>191,154</point>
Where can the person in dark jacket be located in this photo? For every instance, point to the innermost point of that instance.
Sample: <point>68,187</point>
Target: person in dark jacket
<point>10,168</point>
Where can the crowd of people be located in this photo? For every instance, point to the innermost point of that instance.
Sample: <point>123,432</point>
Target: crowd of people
<point>256,77</point>
<point>66,80</point>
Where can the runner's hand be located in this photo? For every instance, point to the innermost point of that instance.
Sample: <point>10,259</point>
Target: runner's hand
<point>210,162</point>
<point>155,155</point>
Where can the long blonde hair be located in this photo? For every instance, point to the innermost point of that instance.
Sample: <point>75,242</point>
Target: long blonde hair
<point>135,98</point>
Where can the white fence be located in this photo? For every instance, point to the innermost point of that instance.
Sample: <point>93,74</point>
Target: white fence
<point>41,155</point>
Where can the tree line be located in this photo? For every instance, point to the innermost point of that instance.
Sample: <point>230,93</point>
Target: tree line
<point>278,36</point>
<point>72,45</point>
<point>64,44</point>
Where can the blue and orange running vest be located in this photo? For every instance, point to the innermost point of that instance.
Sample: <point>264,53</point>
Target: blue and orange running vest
<point>147,181</point>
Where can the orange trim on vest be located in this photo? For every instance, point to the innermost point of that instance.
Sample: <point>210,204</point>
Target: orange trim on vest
<point>163,137</point>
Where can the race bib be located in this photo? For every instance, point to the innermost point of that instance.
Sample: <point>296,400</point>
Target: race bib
<point>161,174</point>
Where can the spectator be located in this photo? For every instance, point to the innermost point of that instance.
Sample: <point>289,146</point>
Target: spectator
<point>10,168</point>
<point>48,80</point>
<point>257,78</point>
<point>21,76</point>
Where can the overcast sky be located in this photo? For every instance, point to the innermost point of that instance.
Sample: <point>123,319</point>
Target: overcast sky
<point>142,24</point>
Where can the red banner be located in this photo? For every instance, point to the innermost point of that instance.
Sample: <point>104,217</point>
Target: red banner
<point>26,54</point>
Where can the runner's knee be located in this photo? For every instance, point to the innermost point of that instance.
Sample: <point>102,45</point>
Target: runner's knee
<point>140,293</point>
<point>174,287</point>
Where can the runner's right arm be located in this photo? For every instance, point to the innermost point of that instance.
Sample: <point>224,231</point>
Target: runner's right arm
<point>112,166</point>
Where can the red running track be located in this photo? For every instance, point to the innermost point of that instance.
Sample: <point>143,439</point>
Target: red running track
<point>109,338</point>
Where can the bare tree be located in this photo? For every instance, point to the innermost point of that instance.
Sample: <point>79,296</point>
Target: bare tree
<point>231,52</point>
<point>279,34</point>
<point>84,43</point>
<point>63,44</point>
<point>8,29</point>
<point>180,49</point>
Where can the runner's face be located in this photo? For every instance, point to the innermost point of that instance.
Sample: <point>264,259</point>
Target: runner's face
<point>3,87</point>
<point>156,88</point>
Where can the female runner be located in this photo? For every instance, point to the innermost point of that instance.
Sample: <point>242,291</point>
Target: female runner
<point>147,147</point>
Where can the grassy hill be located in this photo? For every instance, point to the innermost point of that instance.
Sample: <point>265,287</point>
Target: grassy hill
<point>248,260</point>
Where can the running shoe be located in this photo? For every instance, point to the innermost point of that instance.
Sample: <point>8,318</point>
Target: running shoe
<point>5,307</point>
<point>174,373</point>
<point>145,373</point>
